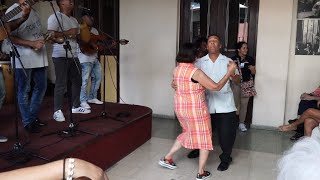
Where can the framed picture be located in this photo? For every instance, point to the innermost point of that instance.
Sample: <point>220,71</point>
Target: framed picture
<point>308,9</point>
<point>308,37</point>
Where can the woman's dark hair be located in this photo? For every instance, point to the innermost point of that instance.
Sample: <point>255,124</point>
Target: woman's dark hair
<point>239,45</point>
<point>186,53</point>
<point>200,41</point>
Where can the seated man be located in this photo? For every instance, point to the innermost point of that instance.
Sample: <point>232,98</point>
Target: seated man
<point>310,118</point>
<point>307,101</point>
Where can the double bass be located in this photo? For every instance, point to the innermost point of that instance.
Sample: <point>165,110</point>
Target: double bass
<point>91,43</point>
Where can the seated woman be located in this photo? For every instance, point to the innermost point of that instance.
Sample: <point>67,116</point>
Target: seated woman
<point>307,100</point>
<point>310,118</point>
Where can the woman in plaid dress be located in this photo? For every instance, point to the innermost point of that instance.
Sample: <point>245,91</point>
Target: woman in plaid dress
<point>191,108</point>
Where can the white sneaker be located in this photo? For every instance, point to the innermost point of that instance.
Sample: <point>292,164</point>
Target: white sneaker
<point>85,105</point>
<point>95,101</point>
<point>58,116</point>
<point>3,139</point>
<point>242,127</point>
<point>81,110</point>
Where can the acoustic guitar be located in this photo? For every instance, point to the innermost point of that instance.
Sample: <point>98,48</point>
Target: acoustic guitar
<point>5,18</point>
<point>99,43</point>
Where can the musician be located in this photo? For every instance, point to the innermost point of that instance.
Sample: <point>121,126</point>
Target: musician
<point>3,57</point>
<point>91,67</point>
<point>67,65</point>
<point>27,36</point>
<point>3,8</point>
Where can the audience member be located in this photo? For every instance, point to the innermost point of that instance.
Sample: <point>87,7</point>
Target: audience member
<point>70,168</point>
<point>247,69</point>
<point>307,100</point>
<point>301,162</point>
<point>310,118</point>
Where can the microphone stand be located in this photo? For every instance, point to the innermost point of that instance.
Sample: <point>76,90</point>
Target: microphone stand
<point>104,113</point>
<point>72,128</point>
<point>18,154</point>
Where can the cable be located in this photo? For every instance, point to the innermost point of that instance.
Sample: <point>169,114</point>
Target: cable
<point>114,85</point>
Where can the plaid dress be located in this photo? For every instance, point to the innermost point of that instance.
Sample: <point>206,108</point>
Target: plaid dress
<point>191,109</point>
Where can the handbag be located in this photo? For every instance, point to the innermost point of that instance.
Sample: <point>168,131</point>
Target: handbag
<point>247,88</point>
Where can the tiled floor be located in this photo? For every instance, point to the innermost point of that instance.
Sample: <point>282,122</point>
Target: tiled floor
<point>255,156</point>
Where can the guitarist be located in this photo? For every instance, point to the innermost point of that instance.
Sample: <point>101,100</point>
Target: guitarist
<point>66,68</point>
<point>91,67</point>
<point>26,34</point>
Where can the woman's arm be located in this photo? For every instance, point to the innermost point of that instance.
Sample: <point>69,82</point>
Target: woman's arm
<point>252,69</point>
<point>54,171</point>
<point>208,83</point>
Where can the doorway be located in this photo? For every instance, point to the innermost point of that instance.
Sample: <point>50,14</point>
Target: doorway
<point>231,20</point>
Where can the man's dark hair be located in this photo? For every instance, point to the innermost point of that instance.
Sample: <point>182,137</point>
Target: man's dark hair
<point>186,53</point>
<point>215,35</point>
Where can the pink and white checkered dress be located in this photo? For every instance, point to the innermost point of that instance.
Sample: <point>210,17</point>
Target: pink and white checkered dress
<point>191,109</point>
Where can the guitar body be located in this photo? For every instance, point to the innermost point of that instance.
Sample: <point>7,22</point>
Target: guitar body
<point>93,46</point>
<point>3,34</point>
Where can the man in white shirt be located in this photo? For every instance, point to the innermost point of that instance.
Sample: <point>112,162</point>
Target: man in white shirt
<point>67,65</point>
<point>91,67</point>
<point>220,103</point>
<point>27,36</point>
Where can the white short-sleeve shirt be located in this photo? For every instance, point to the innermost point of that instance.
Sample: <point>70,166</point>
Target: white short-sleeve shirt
<point>28,30</point>
<point>67,23</point>
<point>218,101</point>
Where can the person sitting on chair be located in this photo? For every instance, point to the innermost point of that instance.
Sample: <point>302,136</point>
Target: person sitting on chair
<point>310,118</point>
<point>307,100</point>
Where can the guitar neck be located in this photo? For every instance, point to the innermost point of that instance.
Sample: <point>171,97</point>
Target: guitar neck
<point>15,11</point>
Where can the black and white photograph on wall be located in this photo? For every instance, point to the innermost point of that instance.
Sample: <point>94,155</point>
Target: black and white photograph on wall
<point>308,37</point>
<point>308,9</point>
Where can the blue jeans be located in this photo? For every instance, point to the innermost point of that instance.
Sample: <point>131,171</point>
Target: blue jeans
<point>2,89</point>
<point>93,70</point>
<point>29,109</point>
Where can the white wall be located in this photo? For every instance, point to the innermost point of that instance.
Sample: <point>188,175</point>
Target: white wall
<point>304,74</point>
<point>148,60</point>
<point>281,75</point>
<point>273,49</point>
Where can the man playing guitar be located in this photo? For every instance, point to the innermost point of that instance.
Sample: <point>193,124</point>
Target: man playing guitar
<point>91,66</point>
<point>26,34</point>
<point>67,66</point>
